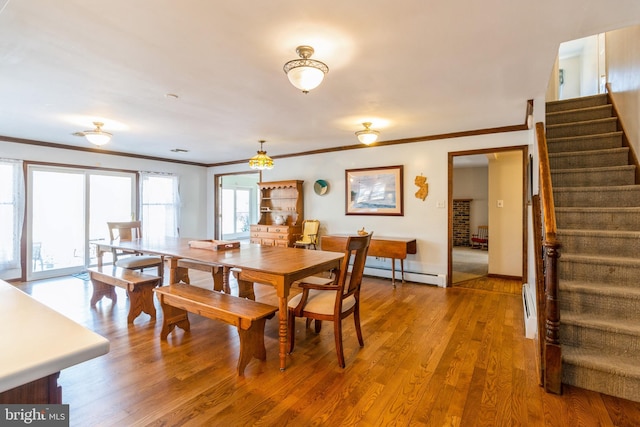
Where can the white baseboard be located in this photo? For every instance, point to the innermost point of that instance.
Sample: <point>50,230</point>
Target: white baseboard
<point>439,280</point>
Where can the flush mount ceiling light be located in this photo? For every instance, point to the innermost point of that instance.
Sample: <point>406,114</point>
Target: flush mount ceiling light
<point>305,73</point>
<point>367,136</point>
<point>261,160</point>
<point>97,136</point>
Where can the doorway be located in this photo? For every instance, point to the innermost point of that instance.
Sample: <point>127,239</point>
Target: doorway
<point>236,205</point>
<point>492,185</point>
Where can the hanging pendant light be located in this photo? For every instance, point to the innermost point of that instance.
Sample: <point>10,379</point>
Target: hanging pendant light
<point>261,160</point>
<point>367,135</point>
<point>97,136</point>
<point>305,73</point>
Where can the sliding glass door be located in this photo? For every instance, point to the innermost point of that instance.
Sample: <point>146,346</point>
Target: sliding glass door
<point>69,208</point>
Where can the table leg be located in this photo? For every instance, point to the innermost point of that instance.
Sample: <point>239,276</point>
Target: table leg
<point>174,275</point>
<point>393,272</point>
<point>282,330</point>
<point>402,269</point>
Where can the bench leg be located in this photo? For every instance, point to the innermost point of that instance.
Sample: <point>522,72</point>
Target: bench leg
<point>219,284</point>
<point>141,299</point>
<point>182,275</point>
<point>245,290</point>
<point>245,287</point>
<point>101,289</point>
<point>173,317</point>
<point>251,344</point>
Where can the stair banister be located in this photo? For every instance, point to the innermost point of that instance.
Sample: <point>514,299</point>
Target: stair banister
<point>552,357</point>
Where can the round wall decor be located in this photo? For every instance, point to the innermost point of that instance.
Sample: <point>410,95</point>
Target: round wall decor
<point>321,187</point>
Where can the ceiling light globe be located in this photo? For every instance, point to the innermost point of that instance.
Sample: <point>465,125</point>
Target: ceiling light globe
<point>368,138</point>
<point>97,138</point>
<point>305,78</point>
<point>367,135</point>
<point>305,73</point>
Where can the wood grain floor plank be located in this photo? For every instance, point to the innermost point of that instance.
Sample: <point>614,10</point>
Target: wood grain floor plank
<point>432,356</point>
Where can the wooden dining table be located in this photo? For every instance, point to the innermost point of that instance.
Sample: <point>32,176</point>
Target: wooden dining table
<point>271,265</point>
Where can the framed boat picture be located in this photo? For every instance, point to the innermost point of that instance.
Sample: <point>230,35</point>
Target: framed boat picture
<point>374,191</point>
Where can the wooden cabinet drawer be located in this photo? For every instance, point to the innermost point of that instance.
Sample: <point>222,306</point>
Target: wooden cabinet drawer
<point>279,236</point>
<point>278,229</point>
<point>255,240</point>
<point>259,228</point>
<point>261,235</point>
<point>281,243</point>
<point>267,242</point>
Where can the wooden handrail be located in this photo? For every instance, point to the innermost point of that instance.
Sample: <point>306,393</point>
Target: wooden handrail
<point>546,189</point>
<point>552,355</point>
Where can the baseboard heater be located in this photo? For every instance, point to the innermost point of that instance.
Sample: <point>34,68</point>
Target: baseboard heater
<point>529,309</point>
<point>411,276</point>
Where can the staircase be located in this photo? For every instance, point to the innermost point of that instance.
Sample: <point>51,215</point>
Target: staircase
<point>598,218</point>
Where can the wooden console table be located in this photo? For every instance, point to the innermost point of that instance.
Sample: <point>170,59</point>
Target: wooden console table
<point>385,247</point>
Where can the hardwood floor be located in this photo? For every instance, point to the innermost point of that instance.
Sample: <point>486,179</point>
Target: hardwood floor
<point>432,357</point>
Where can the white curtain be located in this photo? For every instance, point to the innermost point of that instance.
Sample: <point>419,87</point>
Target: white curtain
<point>11,212</point>
<point>159,204</point>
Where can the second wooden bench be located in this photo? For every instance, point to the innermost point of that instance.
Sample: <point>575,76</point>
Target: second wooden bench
<point>138,286</point>
<point>248,316</point>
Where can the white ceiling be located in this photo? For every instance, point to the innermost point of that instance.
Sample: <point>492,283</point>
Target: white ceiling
<point>413,68</point>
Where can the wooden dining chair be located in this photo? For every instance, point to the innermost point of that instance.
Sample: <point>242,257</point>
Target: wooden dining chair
<point>132,260</point>
<point>335,301</point>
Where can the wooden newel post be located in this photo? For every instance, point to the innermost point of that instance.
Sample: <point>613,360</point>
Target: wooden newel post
<point>552,351</point>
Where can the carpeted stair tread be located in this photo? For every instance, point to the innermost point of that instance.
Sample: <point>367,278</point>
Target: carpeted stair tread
<point>624,243</point>
<point>589,142</point>
<point>587,127</point>
<point>597,360</point>
<point>598,289</point>
<point>576,103</point>
<point>615,196</point>
<point>602,323</point>
<point>603,234</point>
<point>593,177</point>
<point>579,114</point>
<point>607,270</point>
<point>600,259</point>
<point>589,159</point>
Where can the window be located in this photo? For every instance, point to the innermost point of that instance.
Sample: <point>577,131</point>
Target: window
<point>11,215</point>
<point>160,205</point>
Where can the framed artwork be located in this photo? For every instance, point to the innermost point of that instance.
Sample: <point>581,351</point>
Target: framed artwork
<point>374,191</point>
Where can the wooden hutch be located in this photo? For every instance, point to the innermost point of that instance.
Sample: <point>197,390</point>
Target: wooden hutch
<point>280,201</point>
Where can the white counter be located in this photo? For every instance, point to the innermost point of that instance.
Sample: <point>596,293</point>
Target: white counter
<point>37,341</point>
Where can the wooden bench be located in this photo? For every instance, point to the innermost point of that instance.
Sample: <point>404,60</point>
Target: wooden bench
<point>139,288</point>
<point>248,316</point>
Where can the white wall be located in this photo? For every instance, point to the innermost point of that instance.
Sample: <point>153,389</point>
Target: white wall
<point>572,73</point>
<point>422,219</point>
<point>623,72</point>
<point>193,183</point>
<point>505,223</point>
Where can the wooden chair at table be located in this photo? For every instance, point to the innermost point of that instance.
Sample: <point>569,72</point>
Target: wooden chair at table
<point>309,236</point>
<point>335,301</point>
<point>132,260</point>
